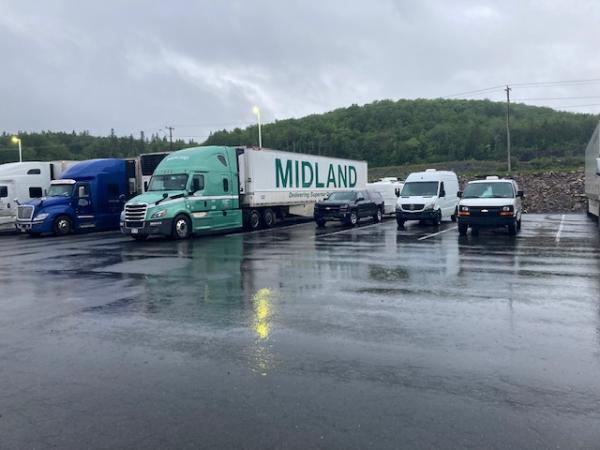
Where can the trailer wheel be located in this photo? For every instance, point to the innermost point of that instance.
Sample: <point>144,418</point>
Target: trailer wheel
<point>62,226</point>
<point>182,227</point>
<point>253,220</point>
<point>268,218</point>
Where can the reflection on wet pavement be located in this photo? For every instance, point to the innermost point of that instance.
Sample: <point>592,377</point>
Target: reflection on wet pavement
<point>300,337</point>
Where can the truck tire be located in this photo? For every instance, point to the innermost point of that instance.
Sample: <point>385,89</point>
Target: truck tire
<point>353,218</point>
<point>462,229</point>
<point>253,220</point>
<point>453,216</point>
<point>182,227</point>
<point>320,223</point>
<point>63,225</point>
<point>512,228</point>
<point>378,216</point>
<point>268,218</point>
<point>400,222</point>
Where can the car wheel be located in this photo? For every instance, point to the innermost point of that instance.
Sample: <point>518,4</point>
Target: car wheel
<point>512,228</point>
<point>268,218</point>
<point>182,227</point>
<point>462,229</point>
<point>320,223</point>
<point>378,216</point>
<point>475,231</point>
<point>438,219</point>
<point>62,226</point>
<point>353,219</point>
<point>453,216</point>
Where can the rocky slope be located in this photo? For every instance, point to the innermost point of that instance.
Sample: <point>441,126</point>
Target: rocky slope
<point>551,192</point>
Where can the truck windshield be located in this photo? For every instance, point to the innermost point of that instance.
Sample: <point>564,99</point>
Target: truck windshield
<point>60,190</point>
<point>342,196</point>
<point>489,190</point>
<point>420,188</point>
<point>176,182</point>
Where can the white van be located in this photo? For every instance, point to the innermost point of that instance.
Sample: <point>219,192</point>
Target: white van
<point>429,195</point>
<point>387,187</point>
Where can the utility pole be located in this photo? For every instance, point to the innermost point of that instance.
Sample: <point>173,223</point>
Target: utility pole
<point>508,89</point>
<point>170,137</point>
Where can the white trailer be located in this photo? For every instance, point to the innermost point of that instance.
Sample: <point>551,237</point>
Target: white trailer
<point>291,183</point>
<point>24,181</point>
<point>592,173</point>
<point>146,164</point>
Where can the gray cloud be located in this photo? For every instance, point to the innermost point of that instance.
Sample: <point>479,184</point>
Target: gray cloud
<point>201,65</point>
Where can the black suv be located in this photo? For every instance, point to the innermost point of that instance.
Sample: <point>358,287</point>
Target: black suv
<point>349,207</point>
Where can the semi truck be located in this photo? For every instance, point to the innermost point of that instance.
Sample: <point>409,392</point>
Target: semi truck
<point>592,173</point>
<point>90,195</point>
<point>214,188</point>
<point>24,181</point>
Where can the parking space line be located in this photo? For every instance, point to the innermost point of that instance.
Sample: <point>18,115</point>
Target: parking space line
<point>435,234</point>
<point>560,228</point>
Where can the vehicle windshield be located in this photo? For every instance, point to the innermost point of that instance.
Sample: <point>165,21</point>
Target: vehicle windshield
<point>420,188</point>
<point>60,190</point>
<point>342,196</point>
<point>489,190</point>
<point>177,182</point>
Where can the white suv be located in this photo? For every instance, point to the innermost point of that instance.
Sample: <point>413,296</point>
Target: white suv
<point>493,202</point>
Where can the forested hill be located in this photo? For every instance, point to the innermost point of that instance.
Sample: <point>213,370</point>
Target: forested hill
<point>49,146</point>
<point>419,131</point>
<point>385,133</point>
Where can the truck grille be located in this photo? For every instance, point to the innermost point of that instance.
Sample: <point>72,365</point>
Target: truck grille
<point>489,211</point>
<point>135,213</point>
<point>24,212</point>
<point>412,207</point>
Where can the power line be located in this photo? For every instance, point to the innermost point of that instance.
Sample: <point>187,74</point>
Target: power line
<point>558,98</point>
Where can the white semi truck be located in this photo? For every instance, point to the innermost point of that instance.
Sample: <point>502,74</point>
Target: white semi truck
<point>25,181</point>
<point>592,173</point>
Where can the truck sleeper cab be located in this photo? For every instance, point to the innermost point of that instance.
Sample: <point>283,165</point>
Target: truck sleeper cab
<point>90,196</point>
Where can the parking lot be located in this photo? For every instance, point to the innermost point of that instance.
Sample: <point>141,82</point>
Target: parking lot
<point>299,337</point>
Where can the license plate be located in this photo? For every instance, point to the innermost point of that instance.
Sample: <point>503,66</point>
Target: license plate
<point>135,230</point>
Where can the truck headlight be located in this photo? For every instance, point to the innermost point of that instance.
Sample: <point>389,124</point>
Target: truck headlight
<point>464,208</point>
<point>41,216</point>
<point>159,214</point>
<point>428,207</point>
<point>507,208</point>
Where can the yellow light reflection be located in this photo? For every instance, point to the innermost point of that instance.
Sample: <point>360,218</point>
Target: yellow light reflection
<point>262,312</point>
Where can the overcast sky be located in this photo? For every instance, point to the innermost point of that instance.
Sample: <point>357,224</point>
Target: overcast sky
<point>202,65</point>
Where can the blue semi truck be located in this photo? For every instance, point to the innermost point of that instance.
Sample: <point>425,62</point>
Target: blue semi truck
<point>90,195</point>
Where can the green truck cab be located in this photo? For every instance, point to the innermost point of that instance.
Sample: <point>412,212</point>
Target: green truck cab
<point>190,191</point>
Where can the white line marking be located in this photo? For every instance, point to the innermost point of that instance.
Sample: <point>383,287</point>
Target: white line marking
<point>435,234</point>
<point>560,228</point>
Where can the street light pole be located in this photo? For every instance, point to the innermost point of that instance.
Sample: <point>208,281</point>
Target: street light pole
<point>256,110</point>
<point>16,140</point>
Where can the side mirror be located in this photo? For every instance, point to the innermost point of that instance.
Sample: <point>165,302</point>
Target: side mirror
<point>17,201</point>
<point>122,197</point>
<point>442,194</point>
<point>165,195</point>
<point>360,199</point>
<point>81,192</point>
<point>520,194</point>
<point>397,192</point>
<point>459,194</point>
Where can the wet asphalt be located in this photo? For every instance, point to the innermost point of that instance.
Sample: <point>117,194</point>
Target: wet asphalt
<point>303,338</point>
